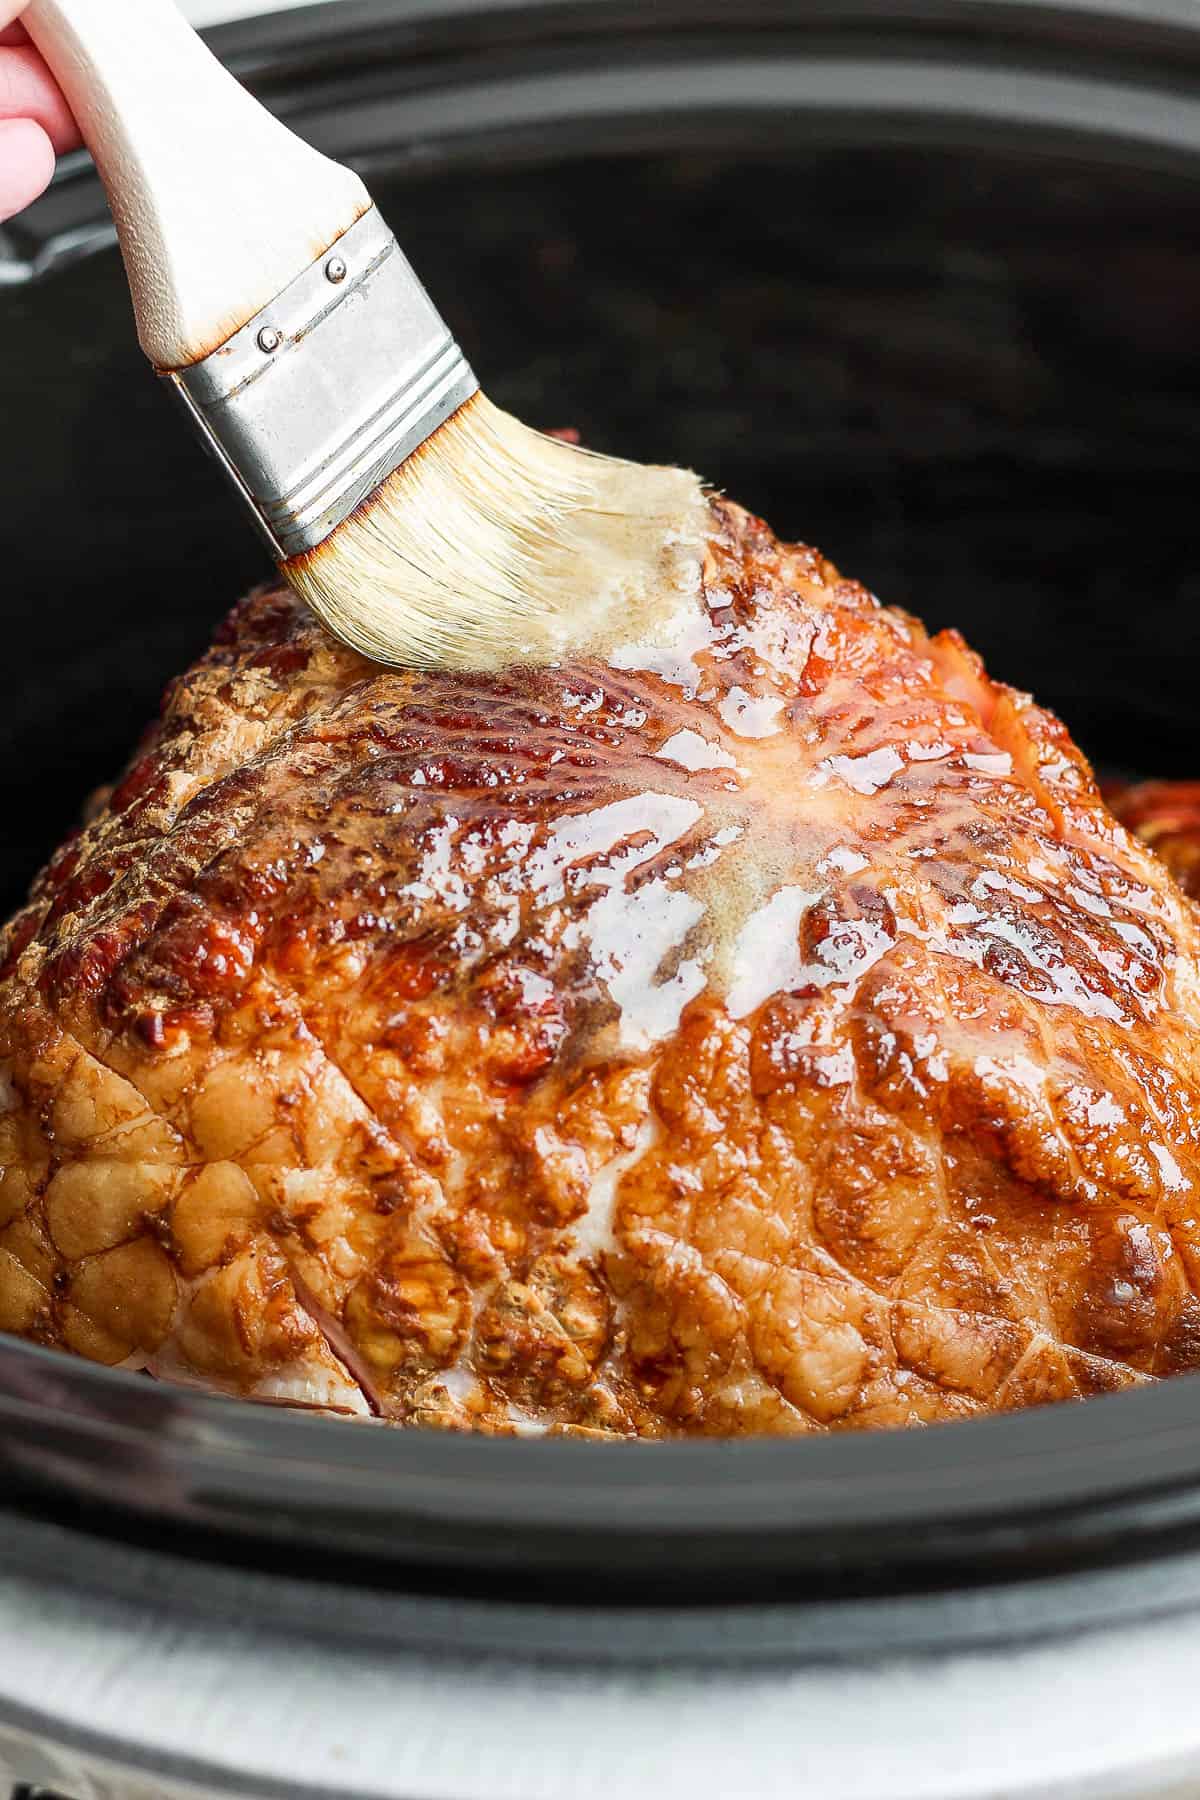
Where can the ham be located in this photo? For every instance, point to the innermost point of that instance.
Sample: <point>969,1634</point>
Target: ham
<point>765,1029</point>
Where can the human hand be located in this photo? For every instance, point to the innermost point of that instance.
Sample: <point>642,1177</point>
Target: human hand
<point>35,120</point>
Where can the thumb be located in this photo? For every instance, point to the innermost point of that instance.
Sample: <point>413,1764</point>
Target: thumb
<point>29,91</point>
<point>26,164</point>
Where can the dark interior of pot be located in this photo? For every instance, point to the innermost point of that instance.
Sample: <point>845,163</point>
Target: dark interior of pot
<point>963,363</point>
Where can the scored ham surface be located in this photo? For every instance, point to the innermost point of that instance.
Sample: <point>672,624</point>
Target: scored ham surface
<point>772,1033</point>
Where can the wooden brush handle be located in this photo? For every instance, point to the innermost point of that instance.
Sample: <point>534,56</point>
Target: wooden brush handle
<point>218,206</point>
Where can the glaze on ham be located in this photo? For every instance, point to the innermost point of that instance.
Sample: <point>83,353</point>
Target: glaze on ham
<point>772,1032</point>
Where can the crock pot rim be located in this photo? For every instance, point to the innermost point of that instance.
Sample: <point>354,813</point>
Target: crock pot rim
<point>1148,48</point>
<point>1107,1481</point>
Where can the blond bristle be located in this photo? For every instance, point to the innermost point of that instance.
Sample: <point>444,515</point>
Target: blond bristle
<point>496,544</point>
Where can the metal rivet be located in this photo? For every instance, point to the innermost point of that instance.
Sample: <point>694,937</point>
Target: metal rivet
<point>335,270</point>
<point>269,340</point>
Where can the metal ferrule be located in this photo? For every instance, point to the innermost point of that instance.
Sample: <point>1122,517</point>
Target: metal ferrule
<point>329,389</point>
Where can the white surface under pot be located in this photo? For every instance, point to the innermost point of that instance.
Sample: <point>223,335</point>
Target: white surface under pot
<point>101,1699</point>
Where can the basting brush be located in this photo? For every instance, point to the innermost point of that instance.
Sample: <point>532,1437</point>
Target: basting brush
<point>423,524</point>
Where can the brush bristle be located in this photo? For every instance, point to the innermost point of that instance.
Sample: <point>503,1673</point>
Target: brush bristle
<point>494,544</point>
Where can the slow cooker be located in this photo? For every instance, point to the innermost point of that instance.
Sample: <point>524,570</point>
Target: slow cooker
<point>919,281</point>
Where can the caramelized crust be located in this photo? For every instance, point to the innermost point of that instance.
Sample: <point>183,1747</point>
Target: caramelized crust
<point>1166,815</point>
<point>777,1036</point>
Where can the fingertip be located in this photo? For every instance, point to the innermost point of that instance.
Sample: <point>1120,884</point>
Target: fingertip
<point>26,164</point>
<point>29,91</point>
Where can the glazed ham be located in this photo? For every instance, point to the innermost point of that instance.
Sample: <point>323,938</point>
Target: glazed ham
<point>772,1032</point>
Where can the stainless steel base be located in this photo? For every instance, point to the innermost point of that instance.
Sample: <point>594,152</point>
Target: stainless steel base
<point>121,1699</point>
